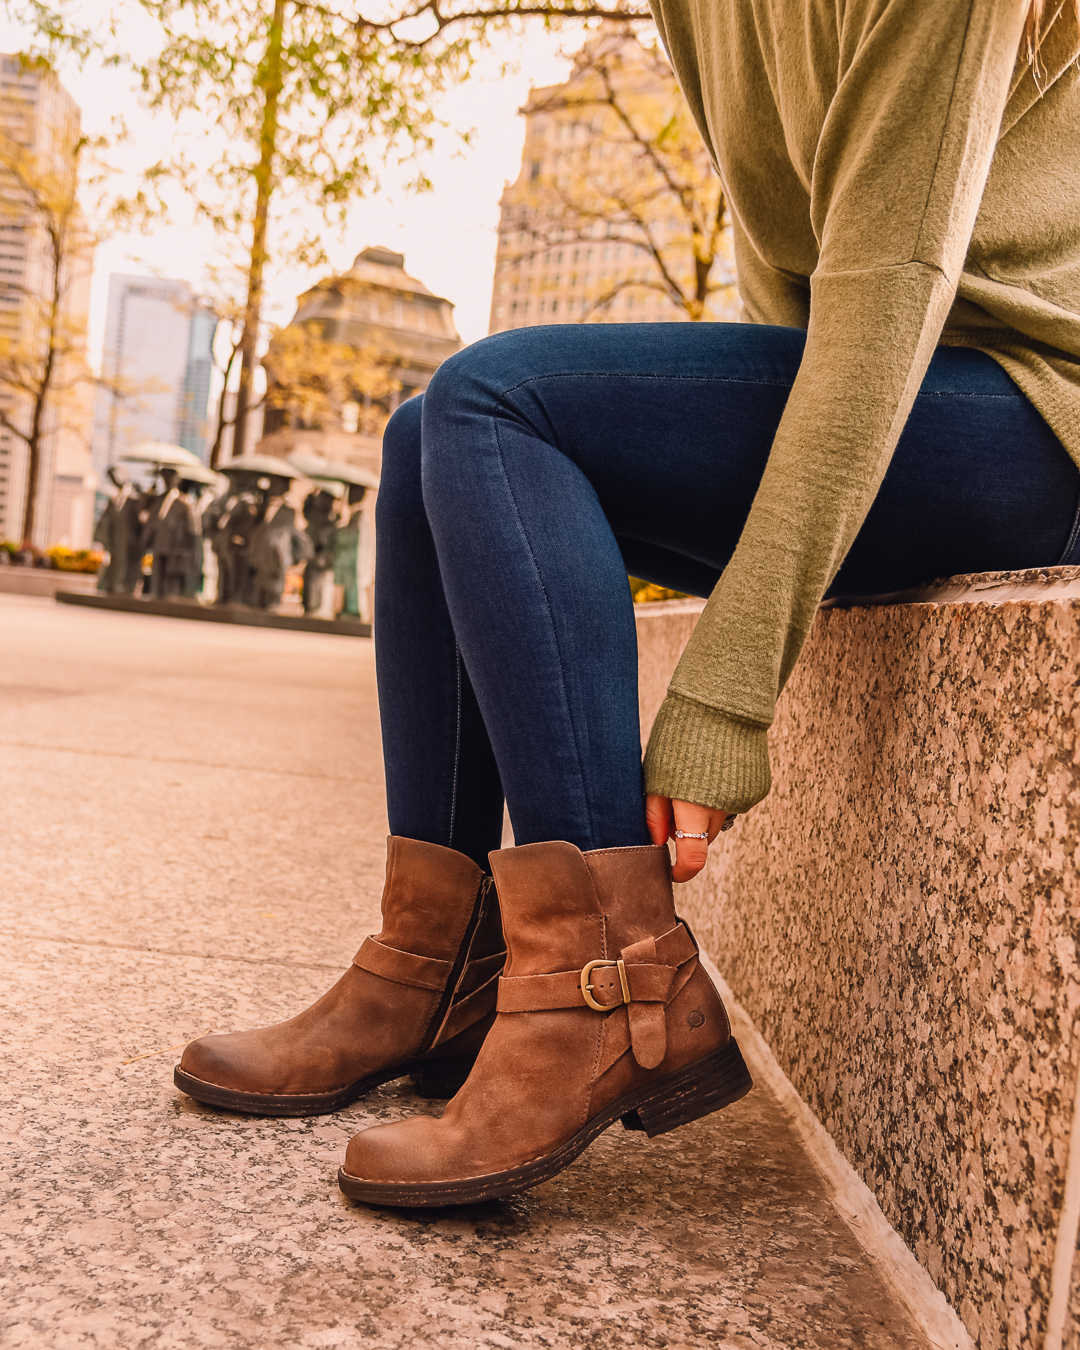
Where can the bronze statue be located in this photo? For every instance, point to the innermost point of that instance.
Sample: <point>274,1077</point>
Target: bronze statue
<point>174,538</point>
<point>351,561</point>
<point>319,513</point>
<point>230,520</point>
<point>119,532</point>
<point>277,543</point>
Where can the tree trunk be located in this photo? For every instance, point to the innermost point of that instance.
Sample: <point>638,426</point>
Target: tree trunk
<point>270,82</point>
<point>703,265</point>
<point>33,478</point>
<point>222,423</point>
<point>42,393</point>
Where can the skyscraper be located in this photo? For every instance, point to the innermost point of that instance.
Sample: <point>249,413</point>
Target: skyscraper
<point>616,214</point>
<point>39,129</point>
<point>156,366</point>
<point>192,428</point>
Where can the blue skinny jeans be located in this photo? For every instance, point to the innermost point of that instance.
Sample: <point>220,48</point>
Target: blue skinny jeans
<point>542,465</point>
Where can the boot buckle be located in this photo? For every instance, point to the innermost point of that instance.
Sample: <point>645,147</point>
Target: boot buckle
<point>587,988</point>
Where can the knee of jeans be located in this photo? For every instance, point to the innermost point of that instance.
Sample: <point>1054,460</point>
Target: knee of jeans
<point>478,377</point>
<point>473,383</point>
<point>399,484</point>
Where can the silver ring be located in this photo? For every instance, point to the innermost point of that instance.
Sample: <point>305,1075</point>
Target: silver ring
<point>682,834</point>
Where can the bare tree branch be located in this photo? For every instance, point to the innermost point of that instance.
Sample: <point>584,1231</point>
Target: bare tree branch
<point>499,11</point>
<point>640,178</point>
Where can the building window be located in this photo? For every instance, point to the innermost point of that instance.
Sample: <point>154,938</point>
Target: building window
<point>554,306</point>
<point>513,308</point>
<point>499,310</point>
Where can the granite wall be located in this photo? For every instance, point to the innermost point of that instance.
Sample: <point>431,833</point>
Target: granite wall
<point>902,916</point>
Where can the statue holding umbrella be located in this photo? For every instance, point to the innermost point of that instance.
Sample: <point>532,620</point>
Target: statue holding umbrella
<point>353,553</point>
<point>136,521</point>
<point>258,538</point>
<point>321,514</point>
<point>119,533</point>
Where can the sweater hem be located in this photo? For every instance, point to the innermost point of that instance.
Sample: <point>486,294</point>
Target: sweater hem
<point>698,754</point>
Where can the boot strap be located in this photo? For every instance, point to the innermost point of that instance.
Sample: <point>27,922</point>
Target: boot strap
<point>469,1008</point>
<point>479,970</point>
<point>424,972</point>
<point>420,972</point>
<point>645,977</point>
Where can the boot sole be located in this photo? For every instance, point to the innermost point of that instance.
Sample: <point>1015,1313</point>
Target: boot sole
<point>705,1086</point>
<point>433,1078</point>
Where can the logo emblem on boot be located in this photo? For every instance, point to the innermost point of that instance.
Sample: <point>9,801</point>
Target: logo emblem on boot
<point>695,1019</point>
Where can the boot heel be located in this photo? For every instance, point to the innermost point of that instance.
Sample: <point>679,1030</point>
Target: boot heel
<point>699,1089</point>
<point>443,1077</point>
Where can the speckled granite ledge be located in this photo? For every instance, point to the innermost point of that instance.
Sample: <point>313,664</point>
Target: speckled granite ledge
<point>902,916</point>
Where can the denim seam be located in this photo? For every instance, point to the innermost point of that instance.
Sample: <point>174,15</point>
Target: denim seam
<point>1063,561</point>
<point>716,379</point>
<point>457,747</point>
<point>633,375</point>
<point>551,620</point>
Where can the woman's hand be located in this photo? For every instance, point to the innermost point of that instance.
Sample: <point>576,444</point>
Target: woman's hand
<point>665,816</point>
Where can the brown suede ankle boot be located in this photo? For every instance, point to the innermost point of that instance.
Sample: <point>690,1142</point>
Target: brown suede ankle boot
<point>604,1013</point>
<point>418,999</point>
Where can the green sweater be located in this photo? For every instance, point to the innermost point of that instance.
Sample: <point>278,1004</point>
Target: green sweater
<point>896,179</point>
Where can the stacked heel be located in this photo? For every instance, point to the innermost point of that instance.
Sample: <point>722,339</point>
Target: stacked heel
<point>701,1088</point>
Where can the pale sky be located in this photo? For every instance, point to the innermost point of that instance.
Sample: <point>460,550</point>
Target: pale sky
<point>448,236</point>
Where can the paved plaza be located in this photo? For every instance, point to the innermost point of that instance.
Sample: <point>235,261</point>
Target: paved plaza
<point>192,838</point>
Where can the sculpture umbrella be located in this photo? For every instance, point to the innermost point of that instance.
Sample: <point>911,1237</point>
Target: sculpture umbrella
<point>330,485</point>
<point>264,465</point>
<point>311,466</point>
<point>198,473</point>
<point>160,452</point>
<point>345,473</point>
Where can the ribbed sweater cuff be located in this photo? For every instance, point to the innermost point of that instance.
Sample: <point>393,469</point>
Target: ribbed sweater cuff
<point>697,754</point>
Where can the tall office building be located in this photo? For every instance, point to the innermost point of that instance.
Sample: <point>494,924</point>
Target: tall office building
<point>581,226</point>
<point>193,427</point>
<point>156,368</point>
<point>39,127</point>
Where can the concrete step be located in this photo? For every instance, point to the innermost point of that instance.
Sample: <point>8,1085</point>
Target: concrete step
<point>44,581</point>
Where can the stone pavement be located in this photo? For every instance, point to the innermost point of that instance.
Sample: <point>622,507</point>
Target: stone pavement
<point>192,837</point>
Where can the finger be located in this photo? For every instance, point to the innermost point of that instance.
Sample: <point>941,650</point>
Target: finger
<point>658,817</point>
<point>691,856</point>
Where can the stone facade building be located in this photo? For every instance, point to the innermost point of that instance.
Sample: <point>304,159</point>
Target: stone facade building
<point>374,308</point>
<point>580,227</point>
